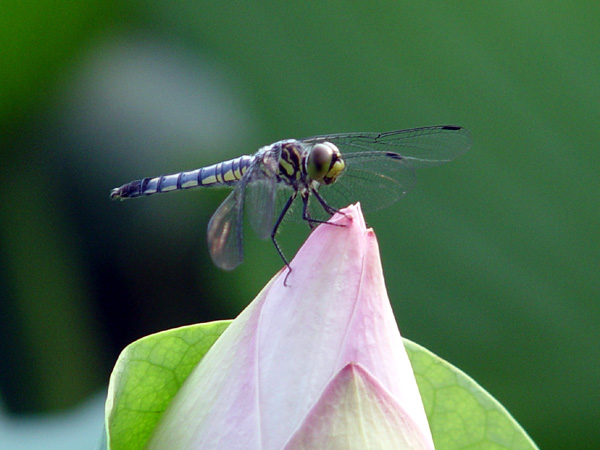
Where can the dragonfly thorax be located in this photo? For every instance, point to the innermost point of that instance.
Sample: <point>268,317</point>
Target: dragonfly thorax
<point>290,163</point>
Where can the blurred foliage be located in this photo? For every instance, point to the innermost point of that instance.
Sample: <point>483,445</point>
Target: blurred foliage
<point>492,261</point>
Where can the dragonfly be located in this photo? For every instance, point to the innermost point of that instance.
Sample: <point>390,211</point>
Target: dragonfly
<point>315,176</point>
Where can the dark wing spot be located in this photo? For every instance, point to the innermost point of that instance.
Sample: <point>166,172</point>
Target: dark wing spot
<point>394,155</point>
<point>451,128</point>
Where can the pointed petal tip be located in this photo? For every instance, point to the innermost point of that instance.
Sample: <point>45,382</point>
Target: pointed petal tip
<point>354,396</point>
<point>351,226</point>
<point>351,213</point>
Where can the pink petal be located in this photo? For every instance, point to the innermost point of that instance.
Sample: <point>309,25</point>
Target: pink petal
<point>259,381</point>
<point>356,412</point>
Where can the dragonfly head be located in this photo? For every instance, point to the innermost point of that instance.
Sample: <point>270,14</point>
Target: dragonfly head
<point>324,163</point>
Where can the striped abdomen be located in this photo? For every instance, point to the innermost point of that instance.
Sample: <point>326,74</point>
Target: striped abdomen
<point>225,173</point>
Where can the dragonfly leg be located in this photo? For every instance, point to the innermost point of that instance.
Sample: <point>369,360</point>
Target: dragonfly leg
<point>274,232</point>
<point>306,215</point>
<point>326,206</point>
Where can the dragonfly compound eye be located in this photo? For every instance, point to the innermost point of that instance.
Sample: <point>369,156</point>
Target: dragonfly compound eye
<point>324,163</point>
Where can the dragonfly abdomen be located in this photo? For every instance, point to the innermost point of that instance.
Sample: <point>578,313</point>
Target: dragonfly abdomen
<point>225,173</point>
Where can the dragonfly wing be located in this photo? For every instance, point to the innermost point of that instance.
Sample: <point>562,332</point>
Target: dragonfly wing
<point>429,146</point>
<point>375,179</point>
<point>225,231</point>
<point>255,192</point>
<point>380,166</point>
<point>261,193</point>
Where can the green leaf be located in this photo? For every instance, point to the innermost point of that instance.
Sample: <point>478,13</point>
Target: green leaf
<point>147,375</point>
<point>150,371</point>
<point>461,413</point>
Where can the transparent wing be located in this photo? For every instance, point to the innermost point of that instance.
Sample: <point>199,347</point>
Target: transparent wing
<point>375,179</point>
<point>261,192</point>
<point>380,166</point>
<point>427,146</point>
<point>255,192</point>
<point>294,213</point>
<point>225,231</point>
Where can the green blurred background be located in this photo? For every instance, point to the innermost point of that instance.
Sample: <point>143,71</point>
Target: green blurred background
<point>491,262</point>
